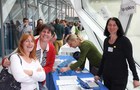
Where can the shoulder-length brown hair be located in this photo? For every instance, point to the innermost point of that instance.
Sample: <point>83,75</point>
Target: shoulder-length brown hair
<point>20,46</point>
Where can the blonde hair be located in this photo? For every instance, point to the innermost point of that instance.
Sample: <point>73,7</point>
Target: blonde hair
<point>73,37</point>
<point>20,46</point>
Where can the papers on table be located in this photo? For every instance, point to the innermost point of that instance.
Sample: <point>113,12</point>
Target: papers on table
<point>69,87</point>
<point>67,80</point>
<point>90,82</point>
<point>71,83</point>
<point>57,62</point>
<point>88,79</point>
<point>68,83</point>
<point>68,77</point>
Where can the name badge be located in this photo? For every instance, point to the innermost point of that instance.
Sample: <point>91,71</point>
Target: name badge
<point>110,49</point>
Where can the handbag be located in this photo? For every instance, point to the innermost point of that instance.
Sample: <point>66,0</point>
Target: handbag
<point>7,81</point>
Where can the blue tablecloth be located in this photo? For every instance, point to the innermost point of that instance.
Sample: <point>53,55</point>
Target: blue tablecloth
<point>52,77</point>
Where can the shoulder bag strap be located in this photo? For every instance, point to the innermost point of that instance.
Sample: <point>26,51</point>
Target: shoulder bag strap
<point>19,58</point>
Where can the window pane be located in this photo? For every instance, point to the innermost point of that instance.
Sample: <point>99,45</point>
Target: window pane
<point>134,34</point>
<point>101,10</point>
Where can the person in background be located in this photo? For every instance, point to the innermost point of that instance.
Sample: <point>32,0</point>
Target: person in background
<point>70,24</point>
<point>117,52</point>
<point>45,52</point>
<point>25,67</point>
<point>54,37</point>
<point>67,30</point>
<point>87,50</point>
<point>38,26</point>
<point>74,29</point>
<point>25,27</point>
<point>59,30</point>
<point>18,33</point>
<point>14,34</point>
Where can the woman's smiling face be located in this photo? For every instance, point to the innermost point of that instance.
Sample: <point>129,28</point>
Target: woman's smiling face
<point>45,35</point>
<point>28,44</point>
<point>112,27</point>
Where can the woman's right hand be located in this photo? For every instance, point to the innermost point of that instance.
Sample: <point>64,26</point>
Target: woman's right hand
<point>6,62</point>
<point>96,78</point>
<point>28,72</point>
<point>136,83</point>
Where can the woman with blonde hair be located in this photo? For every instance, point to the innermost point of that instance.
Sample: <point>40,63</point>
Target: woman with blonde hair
<point>24,66</point>
<point>87,50</point>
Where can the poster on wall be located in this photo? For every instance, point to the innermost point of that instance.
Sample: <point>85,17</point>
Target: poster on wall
<point>137,1</point>
<point>128,8</point>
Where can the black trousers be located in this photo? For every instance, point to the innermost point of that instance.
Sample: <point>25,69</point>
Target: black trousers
<point>115,84</point>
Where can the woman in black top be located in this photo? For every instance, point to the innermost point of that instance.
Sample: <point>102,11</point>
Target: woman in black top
<point>117,52</point>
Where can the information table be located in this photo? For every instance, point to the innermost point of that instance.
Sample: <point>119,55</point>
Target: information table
<point>52,79</point>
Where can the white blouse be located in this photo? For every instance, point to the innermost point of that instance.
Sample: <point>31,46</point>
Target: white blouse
<point>17,69</point>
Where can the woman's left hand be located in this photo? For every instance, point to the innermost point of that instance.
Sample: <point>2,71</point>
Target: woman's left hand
<point>136,83</point>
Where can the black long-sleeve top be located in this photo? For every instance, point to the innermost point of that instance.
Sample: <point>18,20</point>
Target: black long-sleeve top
<point>115,58</point>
